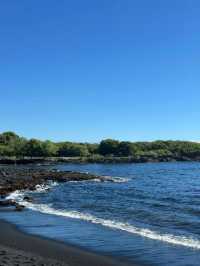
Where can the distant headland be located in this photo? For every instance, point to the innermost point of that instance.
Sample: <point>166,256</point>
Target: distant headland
<point>14,148</point>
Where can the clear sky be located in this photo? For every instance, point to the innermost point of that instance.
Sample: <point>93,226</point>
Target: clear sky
<point>93,69</point>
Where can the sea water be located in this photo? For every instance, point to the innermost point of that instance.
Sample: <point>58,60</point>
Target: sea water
<point>148,213</point>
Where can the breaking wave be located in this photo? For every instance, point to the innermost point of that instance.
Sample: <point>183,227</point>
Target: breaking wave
<point>45,187</point>
<point>168,238</point>
<point>115,179</point>
<point>104,179</point>
<point>19,194</point>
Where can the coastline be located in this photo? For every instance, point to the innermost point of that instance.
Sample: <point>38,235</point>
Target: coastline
<point>22,248</point>
<point>96,159</point>
<point>19,248</point>
<point>125,247</point>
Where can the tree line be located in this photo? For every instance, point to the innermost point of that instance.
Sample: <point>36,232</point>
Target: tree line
<point>13,145</point>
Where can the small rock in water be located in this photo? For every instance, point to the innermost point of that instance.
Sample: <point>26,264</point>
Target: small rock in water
<point>27,198</point>
<point>6,203</point>
<point>19,207</point>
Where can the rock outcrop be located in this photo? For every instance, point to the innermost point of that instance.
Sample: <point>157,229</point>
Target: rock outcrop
<point>12,179</point>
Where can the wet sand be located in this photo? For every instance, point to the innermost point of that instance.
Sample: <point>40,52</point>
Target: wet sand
<point>18,248</point>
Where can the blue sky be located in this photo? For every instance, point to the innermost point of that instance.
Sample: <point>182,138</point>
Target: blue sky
<point>88,70</point>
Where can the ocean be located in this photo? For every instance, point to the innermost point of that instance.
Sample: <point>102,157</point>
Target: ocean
<point>147,213</point>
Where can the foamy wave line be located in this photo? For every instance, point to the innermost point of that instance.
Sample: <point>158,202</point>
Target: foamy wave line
<point>115,179</point>
<point>104,179</point>
<point>19,194</point>
<point>16,195</point>
<point>44,187</point>
<point>169,238</point>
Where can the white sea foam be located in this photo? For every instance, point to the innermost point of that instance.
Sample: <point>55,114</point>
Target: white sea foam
<point>44,187</point>
<point>17,195</point>
<point>144,232</point>
<point>115,179</point>
<point>104,179</point>
<point>169,238</point>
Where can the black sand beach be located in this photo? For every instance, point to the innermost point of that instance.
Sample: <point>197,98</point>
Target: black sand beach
<point>18,248</point>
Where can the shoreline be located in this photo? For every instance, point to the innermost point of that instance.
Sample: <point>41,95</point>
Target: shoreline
<point>19,248</point>
<point>91,159</point>
<point>25,248</point>
<point>12,179</point>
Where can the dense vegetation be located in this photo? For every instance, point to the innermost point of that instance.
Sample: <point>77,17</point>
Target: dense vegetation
<point>13,145</point>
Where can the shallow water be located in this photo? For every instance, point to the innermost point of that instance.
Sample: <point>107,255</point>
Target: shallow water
<point>149,214</point>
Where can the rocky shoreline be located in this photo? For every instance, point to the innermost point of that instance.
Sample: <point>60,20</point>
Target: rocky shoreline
<point>97,159</point>
<point>18,248</point>
<point>12,179</point>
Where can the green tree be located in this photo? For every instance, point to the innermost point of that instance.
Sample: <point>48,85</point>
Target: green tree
<point>108,147</point>
<point>33,148</point>
<point>49,149</point>
<point>126,148</point>
<point>67,149</point>
<point>92,148</point>
<point>8,137</point>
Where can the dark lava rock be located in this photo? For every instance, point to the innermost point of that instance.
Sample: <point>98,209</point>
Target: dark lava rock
<point>19,207</point>
<point>27,198</point>
<point>12,179</point>
<point>7,203</point>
